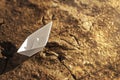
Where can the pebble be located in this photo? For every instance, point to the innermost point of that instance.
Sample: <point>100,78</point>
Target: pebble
<point>87,25</point>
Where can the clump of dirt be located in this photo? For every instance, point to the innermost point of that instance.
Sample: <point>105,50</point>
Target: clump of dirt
<point>84,42</point>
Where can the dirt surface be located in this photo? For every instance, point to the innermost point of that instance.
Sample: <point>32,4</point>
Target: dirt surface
<point>84,43</point>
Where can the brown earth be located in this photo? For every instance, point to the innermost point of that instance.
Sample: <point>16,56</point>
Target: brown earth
<point>84,43</point>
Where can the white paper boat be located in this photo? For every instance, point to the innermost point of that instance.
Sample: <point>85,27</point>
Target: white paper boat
<point>36,41</point>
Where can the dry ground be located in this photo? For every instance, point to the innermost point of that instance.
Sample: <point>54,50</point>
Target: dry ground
<point>84,43</point>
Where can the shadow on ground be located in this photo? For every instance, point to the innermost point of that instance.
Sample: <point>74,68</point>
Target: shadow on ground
<point>9,58</point>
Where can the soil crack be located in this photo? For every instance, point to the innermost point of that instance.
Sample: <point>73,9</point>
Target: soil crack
<point>60,58</point>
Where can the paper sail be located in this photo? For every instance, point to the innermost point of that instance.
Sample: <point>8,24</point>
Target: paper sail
<point>36,41</point>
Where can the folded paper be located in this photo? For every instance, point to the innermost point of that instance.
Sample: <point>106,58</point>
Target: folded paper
<point>36,41</point>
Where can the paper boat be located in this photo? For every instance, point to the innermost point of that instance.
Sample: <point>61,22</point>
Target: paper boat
<point>36,41</point>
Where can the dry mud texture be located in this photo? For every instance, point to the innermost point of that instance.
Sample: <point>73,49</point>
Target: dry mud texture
<point>84,43</point>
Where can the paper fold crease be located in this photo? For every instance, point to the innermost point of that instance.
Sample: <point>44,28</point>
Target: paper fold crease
<point>36,41</point>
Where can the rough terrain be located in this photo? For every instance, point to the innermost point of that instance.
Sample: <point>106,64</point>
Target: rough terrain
<point>84,43</point>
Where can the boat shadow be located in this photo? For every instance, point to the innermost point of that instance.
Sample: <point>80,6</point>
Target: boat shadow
<point>9,59</point>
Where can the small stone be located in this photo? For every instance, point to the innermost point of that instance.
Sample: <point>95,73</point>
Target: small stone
<point>87,25</point>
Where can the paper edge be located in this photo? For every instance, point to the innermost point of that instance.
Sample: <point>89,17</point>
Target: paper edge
<point>35,31</point>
